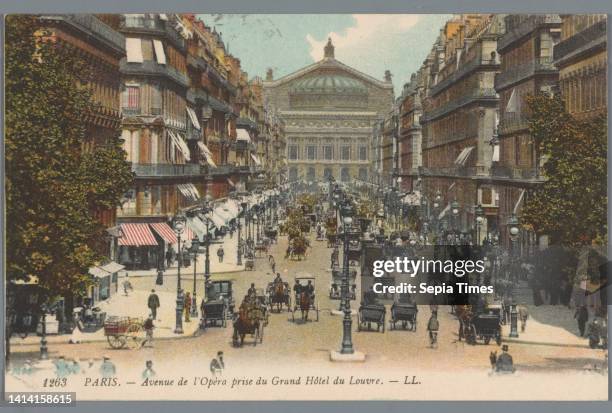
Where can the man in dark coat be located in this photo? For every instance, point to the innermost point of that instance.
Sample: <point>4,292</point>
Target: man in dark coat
<point>504,363</point>
<point>582,316</point>
<point>220,253</point>
<point>153,303</point>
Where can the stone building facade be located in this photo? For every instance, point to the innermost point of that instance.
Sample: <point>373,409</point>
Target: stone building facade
<point>526,52</point>
<point>328,110</point>
<point>460,117</point>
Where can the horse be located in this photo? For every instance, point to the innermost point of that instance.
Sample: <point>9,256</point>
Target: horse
<point>245,324</point>
<point>305,301</point>
<point>464,315</point>
<point>279,296</point>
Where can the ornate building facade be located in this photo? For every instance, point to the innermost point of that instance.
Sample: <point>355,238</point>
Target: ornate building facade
<point>328,110</point>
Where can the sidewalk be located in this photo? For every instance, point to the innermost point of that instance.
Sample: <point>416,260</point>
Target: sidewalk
<point>134,305</point>
<point>230,247</point>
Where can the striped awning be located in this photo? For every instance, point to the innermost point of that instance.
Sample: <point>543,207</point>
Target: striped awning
<point>189,191</point>
<point>137,235</point>
<point>164,231</point>
<point>243,135</point>
<point>206,154</point>
<point>180,144</point>
<point>229,181</point>
<point>255,159</point>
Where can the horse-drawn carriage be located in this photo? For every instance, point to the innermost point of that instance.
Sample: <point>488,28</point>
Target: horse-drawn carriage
<point>123,331</point>
<point>297,248</point>
<point>305,298</point>
<point>335,290</point>
<point>279,293</point>
<point>250,319</point>
<point>221,290</point>
<point>404,313</point>
<point>371,313</point>
<point>214,312</point>
<point>272,234</point>
<point>484,325</point>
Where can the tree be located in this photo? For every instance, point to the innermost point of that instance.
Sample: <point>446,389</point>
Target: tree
<point>52,187</point>
<point>571,205</point>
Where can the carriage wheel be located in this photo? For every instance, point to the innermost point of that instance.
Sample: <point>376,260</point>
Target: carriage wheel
<point>132,336</point>
<point>116,341</point>
<point>414,325</point>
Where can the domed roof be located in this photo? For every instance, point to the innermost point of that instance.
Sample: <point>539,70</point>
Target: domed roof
<point>329,83</point>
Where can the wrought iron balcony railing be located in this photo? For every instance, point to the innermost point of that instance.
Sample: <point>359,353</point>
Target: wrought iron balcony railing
<point>166,170</point>
<point>594,35</point>
<point>519,72</point>
<point>524,26</point>
<point>475,95</point>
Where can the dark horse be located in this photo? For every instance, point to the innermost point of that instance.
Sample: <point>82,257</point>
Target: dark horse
<point>245,324</point>
<point>464,315</point>
<point>305,301</point>
<point>280,296</point>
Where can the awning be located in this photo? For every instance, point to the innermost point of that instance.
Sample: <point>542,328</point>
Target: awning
<point>229,181</point>
<point>137,235</point>
<point>255,159</point>
<point>112,267</point>
<point>223,213</point>
<point>133,47</point>
<point>463,156</point>
<point>164,231</point>
<point>98,272</point>
<point>163,16</point>
<point>243,135</point>
<point>495,157</point>
<point>217,221</point>
<point>518,202</point>
<point>412,199</point>
<point>207,154</point>
<point>189,191</point>
<point>196,226</point>
<point>444,211</point>
<point>180,144</point>
<point>159,52</point>
<point>193,118</point>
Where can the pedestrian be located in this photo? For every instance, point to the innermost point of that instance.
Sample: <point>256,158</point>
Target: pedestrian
<point>220,253</point>
<point>523,316</point>
<point>504,363</point>
<point>148,371</point>
<point>187,306</point>
<point>153,303</point>
<point>127,285</point>
<point>160,277</point>
<point>62,369</point>
<point>217,364</point>
<point>493,359</point>
<point>433,325</point>
<point>107,368</point>
<point>169,256</point>
<point>149,327</point>
<point>582,316</point>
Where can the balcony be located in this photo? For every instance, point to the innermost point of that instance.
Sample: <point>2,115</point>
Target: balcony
<point>488,94</point>
<point>246,123</point>
<point>91,25</point>
<point>540,65</point>
<point>449,171</point>
<point>150,170</point>
<point>589,38</point>
<point>153,26</point>
<point>517,174</point>
<point>151,68</point>
<point>465,69</point>
<point>512,122</point>
<point>525,26</point>
<point>221,170</point>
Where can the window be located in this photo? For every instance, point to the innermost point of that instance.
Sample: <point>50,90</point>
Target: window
<point>131,97</point>
<point>327,173</point>
<point>328,153</point>
<point>311,174</point>
<point>293,152</point>
<point>293,174</point>
<point>345,175</point>
<point>363,174</point>
<point>363,153</point>
<point>345,153</point>
<point>311,152</point>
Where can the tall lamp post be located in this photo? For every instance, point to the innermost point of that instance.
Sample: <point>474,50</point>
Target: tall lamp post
<point>479,213</point>
<point>436,209</point>
<point>513,232</point>
<point>455,215</point>
<point>195,247</point>
<point>179,226</point>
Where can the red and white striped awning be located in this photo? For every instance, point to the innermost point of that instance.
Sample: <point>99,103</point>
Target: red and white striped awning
<point>137,235</point>
<point>164,231</point>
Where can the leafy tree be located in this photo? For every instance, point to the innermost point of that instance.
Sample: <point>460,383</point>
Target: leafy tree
<point>570,206</point>
<point>52,187</point>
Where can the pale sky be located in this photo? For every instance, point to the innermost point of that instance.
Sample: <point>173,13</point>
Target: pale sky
<point>371,43</point>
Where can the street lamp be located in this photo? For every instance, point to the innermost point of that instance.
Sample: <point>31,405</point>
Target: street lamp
<point>479,213</point>
<point>455,214</point>
<point>239,249</point>
<point>513,232</point>
<point>179,226</point>
<point>195,246</point>
<point>347,322</point>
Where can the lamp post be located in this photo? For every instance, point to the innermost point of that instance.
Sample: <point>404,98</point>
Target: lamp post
<point>44,352</point>
<point>195,247</point>
<point>479,213</point>
<point>239,249</point>
<point>347,322</point>
<point>455,215</point>
<point>513,232</point>
<point>179,226</point>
